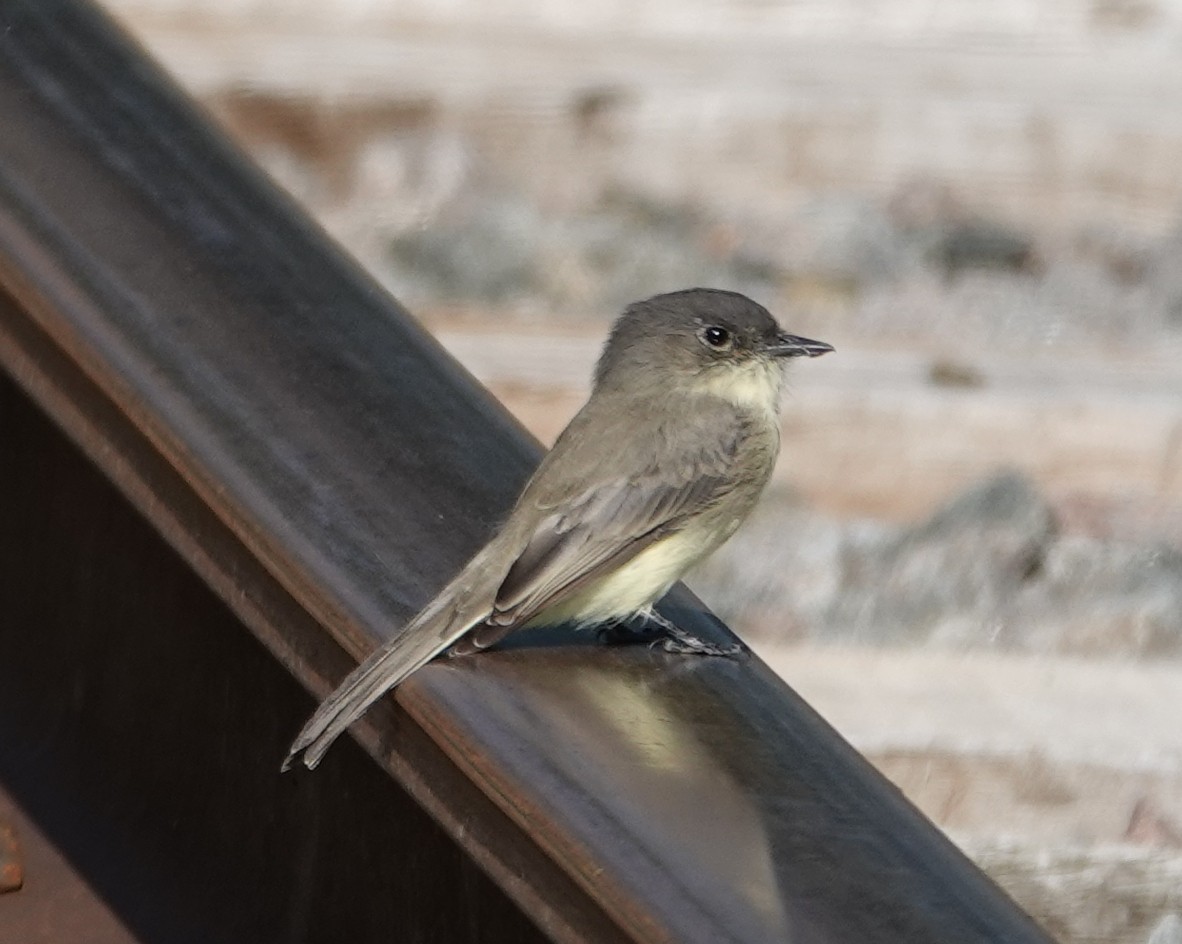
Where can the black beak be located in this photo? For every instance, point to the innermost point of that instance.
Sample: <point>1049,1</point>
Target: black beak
<point>789,345</point>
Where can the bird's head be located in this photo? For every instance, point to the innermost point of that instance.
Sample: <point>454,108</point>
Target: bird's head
<point>704,341</point>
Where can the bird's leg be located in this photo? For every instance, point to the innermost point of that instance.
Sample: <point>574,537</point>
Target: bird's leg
<point>679,640</point>
<point>628,632</point>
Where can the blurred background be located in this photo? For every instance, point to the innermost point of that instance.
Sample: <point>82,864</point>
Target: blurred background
<point>971,557</point>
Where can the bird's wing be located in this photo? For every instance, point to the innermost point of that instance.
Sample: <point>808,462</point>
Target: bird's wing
<point>600,530</point>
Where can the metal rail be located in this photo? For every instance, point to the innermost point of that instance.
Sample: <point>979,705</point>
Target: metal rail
<point>310,454</point>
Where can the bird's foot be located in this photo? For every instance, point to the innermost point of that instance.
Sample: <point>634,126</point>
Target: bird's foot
<point>659,632</point>
<point>675,639</point>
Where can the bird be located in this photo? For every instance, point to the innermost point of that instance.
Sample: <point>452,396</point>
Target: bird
<point>660,466</point>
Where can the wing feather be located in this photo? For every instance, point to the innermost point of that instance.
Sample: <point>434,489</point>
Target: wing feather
<point>603,529</point>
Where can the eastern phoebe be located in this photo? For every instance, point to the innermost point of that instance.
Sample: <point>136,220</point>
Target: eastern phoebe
<point>659,467</point>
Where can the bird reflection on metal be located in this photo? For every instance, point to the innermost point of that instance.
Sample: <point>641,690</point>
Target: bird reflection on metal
<point>676,798</point>
<point>762,835</point>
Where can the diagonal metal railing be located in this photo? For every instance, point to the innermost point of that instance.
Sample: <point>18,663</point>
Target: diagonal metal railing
<point>322,466</point>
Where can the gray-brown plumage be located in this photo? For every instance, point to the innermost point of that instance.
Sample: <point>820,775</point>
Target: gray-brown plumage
<point>659,467</point>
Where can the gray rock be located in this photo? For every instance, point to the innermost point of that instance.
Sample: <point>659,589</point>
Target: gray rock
<point>1164,276</point>
<point>949,578</point>
<point>488,252</point>
<point>1097,597</point>
<point>842,240</point>
<point>959,245</point>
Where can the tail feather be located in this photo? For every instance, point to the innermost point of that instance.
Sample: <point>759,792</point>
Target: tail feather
<point>424,638</point>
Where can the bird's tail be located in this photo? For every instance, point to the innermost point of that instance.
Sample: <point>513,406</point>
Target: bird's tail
<point>427,635</point>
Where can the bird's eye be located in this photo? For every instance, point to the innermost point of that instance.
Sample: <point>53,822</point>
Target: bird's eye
<point>716,337</point>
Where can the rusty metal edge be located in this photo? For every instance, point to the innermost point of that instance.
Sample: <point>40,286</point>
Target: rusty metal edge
<point>12,873</point>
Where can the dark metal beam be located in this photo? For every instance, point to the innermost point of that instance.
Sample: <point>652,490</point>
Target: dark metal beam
<point>324,467</point>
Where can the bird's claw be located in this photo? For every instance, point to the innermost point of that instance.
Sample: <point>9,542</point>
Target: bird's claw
<point>692,645</point>
<point>677,640</point>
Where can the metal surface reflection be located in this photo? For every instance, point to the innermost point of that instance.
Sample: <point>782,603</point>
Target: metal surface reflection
<point>660,779</point>
<point>714,805</point>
